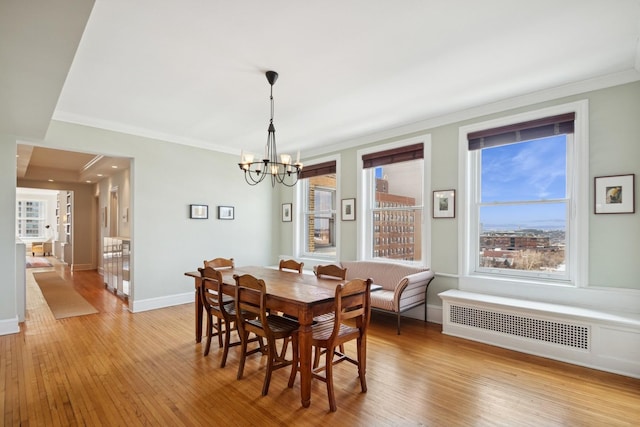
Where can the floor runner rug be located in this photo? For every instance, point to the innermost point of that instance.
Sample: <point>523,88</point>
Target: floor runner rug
<point>37,262</point>
<point>62,299</point>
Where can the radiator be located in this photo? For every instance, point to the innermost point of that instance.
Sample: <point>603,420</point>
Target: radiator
<point>587,337</point>
<point>529,327</point>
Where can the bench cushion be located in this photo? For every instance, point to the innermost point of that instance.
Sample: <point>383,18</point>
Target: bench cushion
<point>386,275</point>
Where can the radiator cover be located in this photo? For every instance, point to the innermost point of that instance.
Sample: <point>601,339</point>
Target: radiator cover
<point>562,333</point>
<point>609,341</point>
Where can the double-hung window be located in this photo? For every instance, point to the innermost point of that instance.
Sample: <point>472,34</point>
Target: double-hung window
<point>393,188</point>
<point>317,226</point>
<point>30,216</point>
<point>524,189</point>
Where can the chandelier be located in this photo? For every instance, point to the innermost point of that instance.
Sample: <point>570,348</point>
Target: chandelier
<point>280,169</point>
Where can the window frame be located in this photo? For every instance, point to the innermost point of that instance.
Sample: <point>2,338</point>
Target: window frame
<point>577,231</point>
<point>365,190</point>
<point>300,210</point>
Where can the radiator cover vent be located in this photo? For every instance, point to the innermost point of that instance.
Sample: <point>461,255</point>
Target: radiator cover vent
<point>574,336</point>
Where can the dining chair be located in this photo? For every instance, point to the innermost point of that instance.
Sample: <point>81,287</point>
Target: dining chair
<point>219,263</point>
<point>222,307</point>
<point>352,303</point>
<point>251,298</point>
<point>330,271</point>
<point>291,264</point>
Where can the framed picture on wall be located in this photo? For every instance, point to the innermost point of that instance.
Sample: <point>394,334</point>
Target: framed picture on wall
<point>348,209</point>
<point>225,212</point>
<point>286,212</point>
<point>444,204</point>
<point>198,211</point>
<point>614,194</point>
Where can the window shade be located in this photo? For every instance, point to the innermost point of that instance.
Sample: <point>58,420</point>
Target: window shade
<point>395,155</point>
<point>533,129</point>
<point>318,169</point>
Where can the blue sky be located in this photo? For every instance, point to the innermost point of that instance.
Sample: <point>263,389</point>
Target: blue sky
<point>532,170</point>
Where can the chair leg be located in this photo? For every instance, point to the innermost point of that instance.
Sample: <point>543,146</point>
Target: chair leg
<point>219,323</point>
<point>317,352</point>
<point>398,323</point>
<point>227,340</point>
<point>209,334</point>
<point>272,354</point>
<point>244,336</point>
<point>285,344</point>
<point>295,361</point>
<point>362,365</point>
<point>329,378</point>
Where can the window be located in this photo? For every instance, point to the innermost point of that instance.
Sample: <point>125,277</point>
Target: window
<point>317,228</point>
<point>30,217</point>
<point>522,186</point>
<point>393,203</point>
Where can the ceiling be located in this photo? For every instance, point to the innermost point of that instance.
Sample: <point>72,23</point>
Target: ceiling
<point>47,164</point>
<point>193,73</point>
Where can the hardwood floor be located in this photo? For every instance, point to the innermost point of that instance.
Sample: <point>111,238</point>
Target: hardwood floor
<point>117,368</point>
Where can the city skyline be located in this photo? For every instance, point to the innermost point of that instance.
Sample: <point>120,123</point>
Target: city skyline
<point>525,183</point>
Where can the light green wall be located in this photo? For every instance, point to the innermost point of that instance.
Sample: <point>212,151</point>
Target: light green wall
<point>167,177</point>
<point>614,117</point>
<point>8,313</point>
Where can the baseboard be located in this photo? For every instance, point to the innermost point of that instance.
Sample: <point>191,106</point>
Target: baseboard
<point>137,306</point>
<point>9,326</point>
<point>82,267</point>
<point>434,313</point>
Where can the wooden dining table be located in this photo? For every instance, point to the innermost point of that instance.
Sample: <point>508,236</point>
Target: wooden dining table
<point>302,295</point>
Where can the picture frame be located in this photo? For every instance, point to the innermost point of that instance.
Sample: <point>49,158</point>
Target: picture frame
<point>226,212</point>
<point>199,211</point>
<point>444,204</point>
<point>348,209</point>
<point>614,194</point>
<point>286,212</point>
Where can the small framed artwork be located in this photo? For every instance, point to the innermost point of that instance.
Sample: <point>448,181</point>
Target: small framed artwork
<point>225,212</point>
<point>444,204</point>
<point>199,211</point>
<point>348,209</point>
<point>286,212</point>
<point>614,194</point>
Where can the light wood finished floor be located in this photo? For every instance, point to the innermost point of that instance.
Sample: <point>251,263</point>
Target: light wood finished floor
<point>116,368</point>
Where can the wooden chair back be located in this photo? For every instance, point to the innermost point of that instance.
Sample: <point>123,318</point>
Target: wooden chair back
<point>358,306</point>
<point>251,300</point>
<point>291,264</point>
<point>211,289</point>
<point>218,263</point>
<point>213,302</point>
<point>330,271</point>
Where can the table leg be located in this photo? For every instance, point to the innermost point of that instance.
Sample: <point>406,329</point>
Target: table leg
<point>305,353</point>
<point>199,311</point>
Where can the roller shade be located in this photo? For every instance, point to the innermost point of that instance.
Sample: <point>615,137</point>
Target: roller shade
<point>533,129</point>
<point>395,155</point>
<point>318,169</point>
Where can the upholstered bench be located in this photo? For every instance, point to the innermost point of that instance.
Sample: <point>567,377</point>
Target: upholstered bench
<point>403,287</point>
